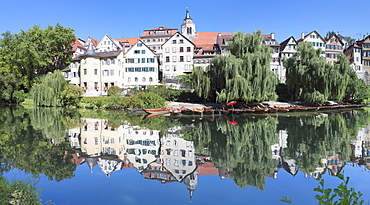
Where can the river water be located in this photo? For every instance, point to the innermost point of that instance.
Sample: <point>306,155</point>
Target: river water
<point>80,156</point>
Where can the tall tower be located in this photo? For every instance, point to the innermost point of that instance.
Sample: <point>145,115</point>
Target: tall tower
<point>188,27</point>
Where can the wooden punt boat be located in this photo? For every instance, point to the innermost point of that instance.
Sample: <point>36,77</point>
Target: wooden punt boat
<point>312,108</point>
<point>260,110</point>
<point>158,110</point>
<point>281,109</point>
<point>208,111</point>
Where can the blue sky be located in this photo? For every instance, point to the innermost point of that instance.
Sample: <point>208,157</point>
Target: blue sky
<point>127,18</point>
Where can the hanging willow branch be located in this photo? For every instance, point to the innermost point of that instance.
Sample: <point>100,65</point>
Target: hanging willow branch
<point>242,74</point>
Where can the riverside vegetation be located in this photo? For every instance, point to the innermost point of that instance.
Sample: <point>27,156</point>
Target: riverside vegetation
<point>30,64</point>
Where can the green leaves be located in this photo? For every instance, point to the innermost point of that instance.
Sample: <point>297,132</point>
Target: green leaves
<point>340,195</point>
<point>311,79</point>
<point>35,52</point>
<point>242,74</point>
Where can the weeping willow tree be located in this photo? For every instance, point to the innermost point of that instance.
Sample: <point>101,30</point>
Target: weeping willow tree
<point>48,92</point>
<point>311,79</point>
<point>242,74</point>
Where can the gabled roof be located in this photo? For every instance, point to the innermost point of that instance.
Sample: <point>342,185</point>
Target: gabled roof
<point>310,34</point>
<point>147,32</point>
<point>337,37</point>
<point>222,39</point>
<point>268,37</point>
<point>179,34</point>
<point>207,38</point>
<point>112,40</point>
<point>78,43</point>
<point>143,45</point>
<point>285,43</point>
<point>129,41</point>
<point>95,42</point>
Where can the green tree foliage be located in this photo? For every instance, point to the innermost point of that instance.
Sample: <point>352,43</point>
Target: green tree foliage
<point>11,89</point>
<point>356,91</point>
<point>49,91</point>
<point>35,52</point>
<point>146,100</point>
<point>71,95</point>
<point>242,74</point>
<point>114,91</point>
<point>311,79</point>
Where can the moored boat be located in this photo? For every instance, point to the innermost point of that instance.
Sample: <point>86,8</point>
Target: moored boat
<point>158,110</point>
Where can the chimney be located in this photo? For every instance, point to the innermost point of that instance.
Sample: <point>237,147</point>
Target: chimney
<point>302,35</point>
<point>272,36</point>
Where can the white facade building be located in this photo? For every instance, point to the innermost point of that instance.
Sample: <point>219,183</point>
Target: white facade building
<point>140,67</point>
<point>178,56</point>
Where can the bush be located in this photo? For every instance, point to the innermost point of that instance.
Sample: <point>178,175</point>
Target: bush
<point>114,91</point>
<point>166,93</point>
<point>146,100</point>
<point>71,95</point>
<point>314,98</point>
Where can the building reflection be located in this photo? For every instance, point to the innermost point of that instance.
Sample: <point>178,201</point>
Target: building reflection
<point>171,158</point>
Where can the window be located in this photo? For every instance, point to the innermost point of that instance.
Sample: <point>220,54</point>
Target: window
<point>174,68</point>
<point>136,51</point>
<point>188,58</point>
<point>181,58</point>
<point>139,44</point>
<point>167,68</point>
<point>85,71</point>
<point>174,49</point>
<point>188,49</point>
<point>84,61</point>
<point>111,72</point>
<point>173,41</point>
<point>167,49</point>
<point>169,31</point>
<point>136,79</point>
<point>181,49</point>
<point>112,60</point>
<point>143,60</point>
<point>105,73</point>
<point>174,58</point>
<point>143,51</point>
<point>151,69</point>
<point>150,79</point>
<point>128,79</point>
<point>95,71</point>
<point>150,60</point>
<point>181,41</point>
<point>167,59</point>
<point>144,79</point>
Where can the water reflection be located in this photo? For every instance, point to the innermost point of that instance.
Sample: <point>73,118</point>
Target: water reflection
<point>54,141</point>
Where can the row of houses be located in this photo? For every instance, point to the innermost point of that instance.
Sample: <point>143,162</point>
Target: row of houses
<point>162,54</point>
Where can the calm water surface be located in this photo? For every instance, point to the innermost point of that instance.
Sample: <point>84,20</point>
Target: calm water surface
<point>109,157</point>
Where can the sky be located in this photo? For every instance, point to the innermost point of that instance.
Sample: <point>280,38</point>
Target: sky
<point>128,18</point>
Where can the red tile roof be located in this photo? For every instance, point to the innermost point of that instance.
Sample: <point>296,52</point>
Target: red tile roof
<point>130,41</point>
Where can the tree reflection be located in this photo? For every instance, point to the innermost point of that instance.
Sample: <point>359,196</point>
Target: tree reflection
<point>243,149</point>
<point>35,143</point>
<point>313,138</point>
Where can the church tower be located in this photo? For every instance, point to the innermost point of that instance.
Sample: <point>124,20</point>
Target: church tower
<point>188,27</point>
